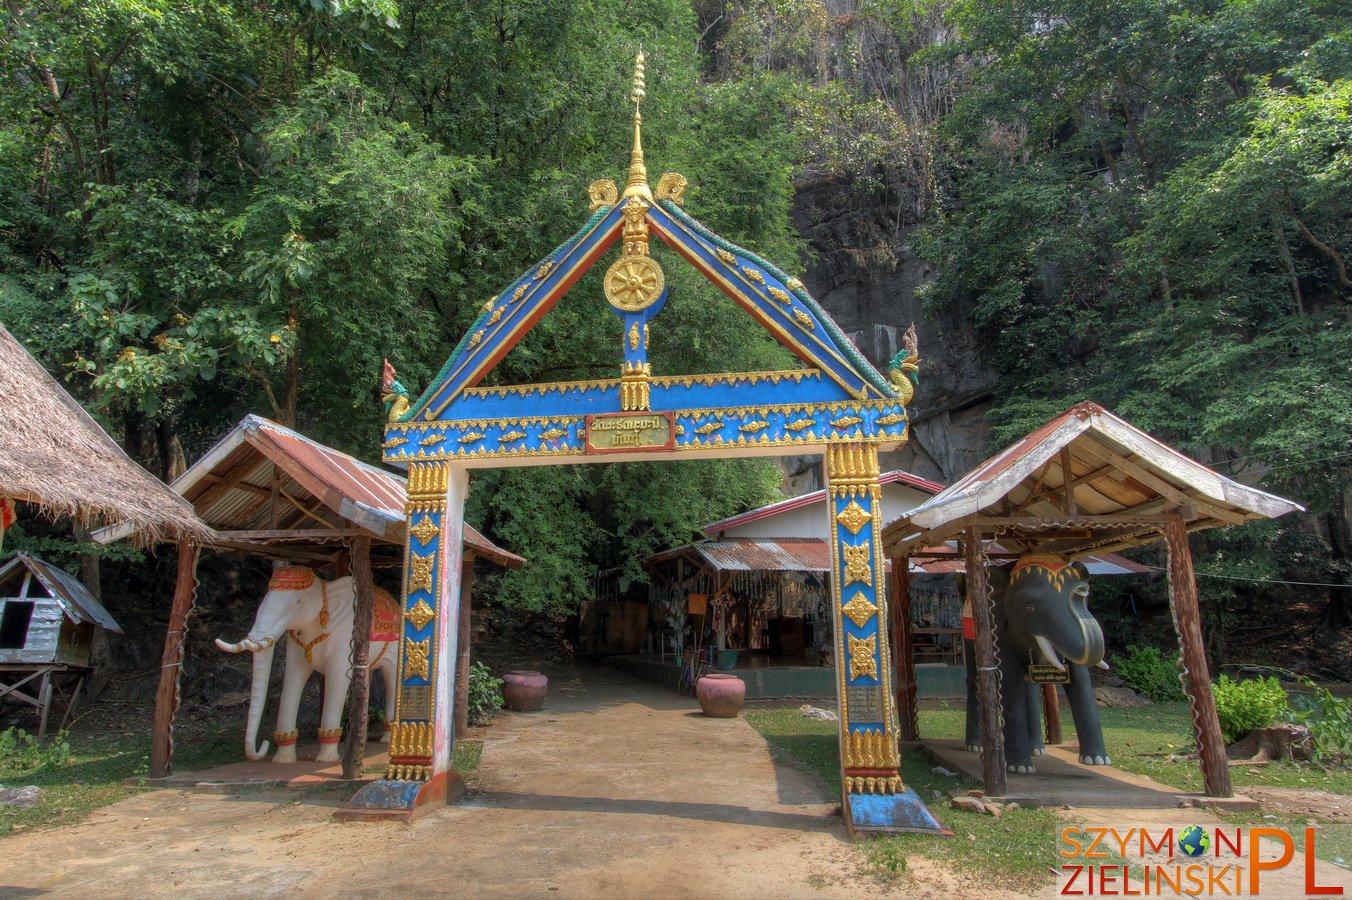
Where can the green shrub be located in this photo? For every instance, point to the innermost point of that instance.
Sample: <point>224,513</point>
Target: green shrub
<point>1329,719</point>
<point>1245,705</point>
<point>485,694</point>
<point>22,754</point>
<point>1150,673</point>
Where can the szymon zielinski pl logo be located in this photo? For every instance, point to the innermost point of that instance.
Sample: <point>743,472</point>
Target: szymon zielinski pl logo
<point>1215,861</point>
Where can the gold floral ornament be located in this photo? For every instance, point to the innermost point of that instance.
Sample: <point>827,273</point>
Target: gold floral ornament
<point>854,517</point>
<point>857,564</point>
<point>420,615</point>
<point>416,654</point>
<point>634,283</point>
<point>859,610</point>
<point>863,657</point>
<point>425,530</point>
<point>420,574</point>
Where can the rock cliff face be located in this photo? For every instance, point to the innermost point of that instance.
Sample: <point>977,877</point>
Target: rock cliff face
<point>866,275</point>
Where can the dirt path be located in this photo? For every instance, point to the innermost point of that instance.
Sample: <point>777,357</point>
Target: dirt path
<point>616,789</point>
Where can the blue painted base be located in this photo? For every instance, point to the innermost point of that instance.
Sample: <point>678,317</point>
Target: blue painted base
<point>891,813</point>
<point>402,801</point>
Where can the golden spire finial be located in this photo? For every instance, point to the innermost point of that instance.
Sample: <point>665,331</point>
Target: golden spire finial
<point>636,185</point>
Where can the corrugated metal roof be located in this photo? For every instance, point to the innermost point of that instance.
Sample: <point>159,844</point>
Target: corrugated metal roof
<point>318,488</point>
<point>69,591</point>
<point>783,506</point>
<point>1112,469</point>
<point>814,555</point>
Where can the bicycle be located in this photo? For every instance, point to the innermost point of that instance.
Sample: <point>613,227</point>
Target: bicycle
<point>691,673</point>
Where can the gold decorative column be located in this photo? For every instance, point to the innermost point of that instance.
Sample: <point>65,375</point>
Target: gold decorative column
<point>868,733</point>
<point>420,735</point>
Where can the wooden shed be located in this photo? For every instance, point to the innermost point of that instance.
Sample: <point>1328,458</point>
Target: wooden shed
<point>48,620</point>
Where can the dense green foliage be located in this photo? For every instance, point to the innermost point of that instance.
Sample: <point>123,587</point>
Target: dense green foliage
<point>1150,673</point>
<point>1148,205</point>
<point>1329,719</point>
<point>1248,703</point>
<point>208,208</point>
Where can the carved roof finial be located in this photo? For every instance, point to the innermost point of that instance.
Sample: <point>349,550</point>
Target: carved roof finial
<point>636,185</point>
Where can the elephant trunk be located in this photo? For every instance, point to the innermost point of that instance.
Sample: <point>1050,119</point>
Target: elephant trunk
<point>262,671</point>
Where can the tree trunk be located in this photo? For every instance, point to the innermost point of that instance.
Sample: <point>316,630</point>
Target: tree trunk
<point>354,751</point>
<point>291,389</point>
<point>1338,613</point>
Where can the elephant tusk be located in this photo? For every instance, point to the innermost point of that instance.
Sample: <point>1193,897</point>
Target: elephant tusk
<point>1049,652</point>
<point>229,648</point>
<point>1103,664</point>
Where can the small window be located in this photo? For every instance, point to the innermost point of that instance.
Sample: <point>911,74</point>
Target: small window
<point>14,624</point>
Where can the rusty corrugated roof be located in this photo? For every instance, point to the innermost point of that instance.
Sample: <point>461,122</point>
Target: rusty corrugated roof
<point>782,506</point>
<point>318,489</point>
<point>68,591</point>
<point>814,555</point>
<point>1106,466</point>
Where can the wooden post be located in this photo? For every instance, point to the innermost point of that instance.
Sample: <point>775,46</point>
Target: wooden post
<point>1051,710</point>
<point>354,750</point>
<point>44,702</point>
<point>171,662</point>
<point>908,724</point>
<point>987,667</point>
<point>462,648</point>
<point>1196,677</point>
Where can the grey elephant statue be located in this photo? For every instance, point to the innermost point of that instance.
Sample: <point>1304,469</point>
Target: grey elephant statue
<point>1041,618</point>
<point>316,616</point>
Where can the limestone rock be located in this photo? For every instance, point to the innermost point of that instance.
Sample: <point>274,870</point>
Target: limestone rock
<point>1118,697</point>
<point>21,797</point>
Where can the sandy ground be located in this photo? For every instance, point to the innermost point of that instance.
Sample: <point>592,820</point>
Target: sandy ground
<point>616,789</point>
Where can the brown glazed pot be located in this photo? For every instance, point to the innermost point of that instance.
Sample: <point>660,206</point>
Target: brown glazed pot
<point>720,696</point>
<point>524,690</point>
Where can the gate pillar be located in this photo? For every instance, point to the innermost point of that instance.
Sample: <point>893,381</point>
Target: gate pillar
<point>419,776</point>
<point>874,797</point>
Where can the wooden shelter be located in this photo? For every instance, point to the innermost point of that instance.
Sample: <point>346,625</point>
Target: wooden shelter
<point>54,455</point>
<point>48,620</point>
<point>1086,482</point>
<point>270,491</point>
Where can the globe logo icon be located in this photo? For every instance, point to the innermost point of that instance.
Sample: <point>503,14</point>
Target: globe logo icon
<point>1194,841</point>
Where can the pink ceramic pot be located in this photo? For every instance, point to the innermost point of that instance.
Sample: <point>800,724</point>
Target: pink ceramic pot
<point>720,696</point>
<point>524,690</point>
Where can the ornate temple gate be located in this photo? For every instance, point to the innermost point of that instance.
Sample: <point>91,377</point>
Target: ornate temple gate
<point>839,406</point>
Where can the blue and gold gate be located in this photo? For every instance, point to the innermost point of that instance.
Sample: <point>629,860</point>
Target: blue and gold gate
<point>837,405</point>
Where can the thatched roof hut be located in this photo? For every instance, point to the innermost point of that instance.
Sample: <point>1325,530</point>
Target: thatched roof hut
<point>52,453</point>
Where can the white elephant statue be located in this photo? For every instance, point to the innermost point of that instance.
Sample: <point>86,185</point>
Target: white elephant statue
<point>316,616</point>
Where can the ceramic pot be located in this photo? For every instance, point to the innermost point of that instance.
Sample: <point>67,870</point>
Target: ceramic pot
<point>720,696</point>
<point>524,690</point>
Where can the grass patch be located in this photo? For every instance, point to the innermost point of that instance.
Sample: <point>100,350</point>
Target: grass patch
<point>1137,737</point>
<point>465,757</point>
<point>92,774</point>
<point>1015,849</point>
